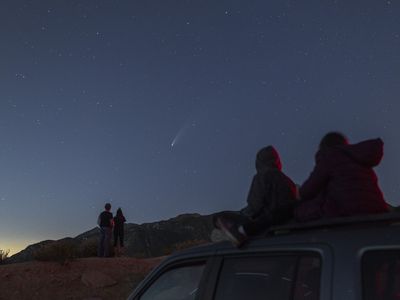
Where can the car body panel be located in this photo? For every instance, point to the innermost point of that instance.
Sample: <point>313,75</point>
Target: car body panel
<point>340,247</point>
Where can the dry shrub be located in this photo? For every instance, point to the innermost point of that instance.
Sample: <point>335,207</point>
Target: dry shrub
<point>183,245</point>
<point>3,256</point>
<point>61,252</point>
<point>88,248</point>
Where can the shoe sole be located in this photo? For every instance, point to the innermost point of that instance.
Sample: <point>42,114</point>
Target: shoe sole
<point>233,239</point>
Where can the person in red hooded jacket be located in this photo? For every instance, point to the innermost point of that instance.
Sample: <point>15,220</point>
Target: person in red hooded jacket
<point>343,182</point>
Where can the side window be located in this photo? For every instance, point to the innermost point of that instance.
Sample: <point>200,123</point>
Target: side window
<point>381,275</point>
<point>271,277</point>
<point>180,283</point>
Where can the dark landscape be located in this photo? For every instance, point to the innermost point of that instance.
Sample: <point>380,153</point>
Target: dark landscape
<point>68,269</point>
<point>87,279</point>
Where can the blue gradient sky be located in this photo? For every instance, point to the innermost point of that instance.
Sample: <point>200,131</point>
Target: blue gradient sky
<point>94,93</point>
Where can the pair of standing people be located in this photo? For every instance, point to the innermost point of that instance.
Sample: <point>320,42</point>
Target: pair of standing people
<point>109,226</point>
<point>343,183</point>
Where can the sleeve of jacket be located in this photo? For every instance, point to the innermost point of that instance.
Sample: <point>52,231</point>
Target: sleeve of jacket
<point>315,182</point>
<point>255,198</point>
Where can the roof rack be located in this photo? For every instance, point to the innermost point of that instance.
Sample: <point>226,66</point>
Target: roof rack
<point>384,218</point>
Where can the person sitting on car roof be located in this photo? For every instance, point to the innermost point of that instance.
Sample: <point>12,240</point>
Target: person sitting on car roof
<point>343,182</point>
<point>270,201</point>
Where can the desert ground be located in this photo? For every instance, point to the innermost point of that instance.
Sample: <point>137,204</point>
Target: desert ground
<point>86,279</point>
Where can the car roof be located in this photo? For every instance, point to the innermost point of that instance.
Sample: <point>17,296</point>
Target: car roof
<point>366,230</point>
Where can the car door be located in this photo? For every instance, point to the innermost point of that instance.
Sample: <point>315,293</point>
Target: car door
<point>380,270</point>
<point>272,275</point>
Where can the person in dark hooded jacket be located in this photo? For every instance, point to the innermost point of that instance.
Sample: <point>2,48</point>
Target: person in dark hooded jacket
<point>270,201</point>
<point>118,233</point>
<point>343,182</point>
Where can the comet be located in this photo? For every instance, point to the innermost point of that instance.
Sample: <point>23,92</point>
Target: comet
<point>181,132</point>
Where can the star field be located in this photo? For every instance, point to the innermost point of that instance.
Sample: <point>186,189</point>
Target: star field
<point>160,106</point>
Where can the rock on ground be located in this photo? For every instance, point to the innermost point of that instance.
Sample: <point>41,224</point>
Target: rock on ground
<point>97,279</point>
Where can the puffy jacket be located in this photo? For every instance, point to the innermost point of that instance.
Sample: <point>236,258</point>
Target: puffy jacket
<point>343,182</point>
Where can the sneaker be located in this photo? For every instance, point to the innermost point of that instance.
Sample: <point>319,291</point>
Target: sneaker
<point>217,235</point>
<point>231,230</point>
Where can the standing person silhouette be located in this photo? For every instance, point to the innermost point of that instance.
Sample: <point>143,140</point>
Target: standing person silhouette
<point>106,223</point>
<point>119,221</point>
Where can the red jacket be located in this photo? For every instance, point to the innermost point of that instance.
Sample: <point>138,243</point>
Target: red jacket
<point>343,182</point>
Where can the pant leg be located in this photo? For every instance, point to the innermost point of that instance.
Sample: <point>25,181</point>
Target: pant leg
<point>107,241</point>
<point>265,219</point>
<point>256,226</point>
<point>115,233</point>
<point>121,237</point>
<point>100,251</point>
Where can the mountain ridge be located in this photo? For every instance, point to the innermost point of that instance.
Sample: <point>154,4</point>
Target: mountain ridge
<point>144,240</point>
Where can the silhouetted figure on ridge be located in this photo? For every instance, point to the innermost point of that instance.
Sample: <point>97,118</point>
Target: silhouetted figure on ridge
<point>119,221</point>
<point>106,223</point>
<point>343,181</point>
<point>270,201</point>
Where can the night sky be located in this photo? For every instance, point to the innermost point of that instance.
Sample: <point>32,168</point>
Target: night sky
<point>159,107</point>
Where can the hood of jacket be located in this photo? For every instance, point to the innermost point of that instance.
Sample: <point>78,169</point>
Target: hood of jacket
<point>268,158</point>
<point>367,153</point>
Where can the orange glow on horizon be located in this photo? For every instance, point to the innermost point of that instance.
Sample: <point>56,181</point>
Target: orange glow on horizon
<point>16,246</point>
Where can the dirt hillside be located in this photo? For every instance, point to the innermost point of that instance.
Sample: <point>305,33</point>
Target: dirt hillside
<point>86,279</point>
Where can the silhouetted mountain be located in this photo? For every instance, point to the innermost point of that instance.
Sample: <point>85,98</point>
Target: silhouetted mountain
<point>145,240</point>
